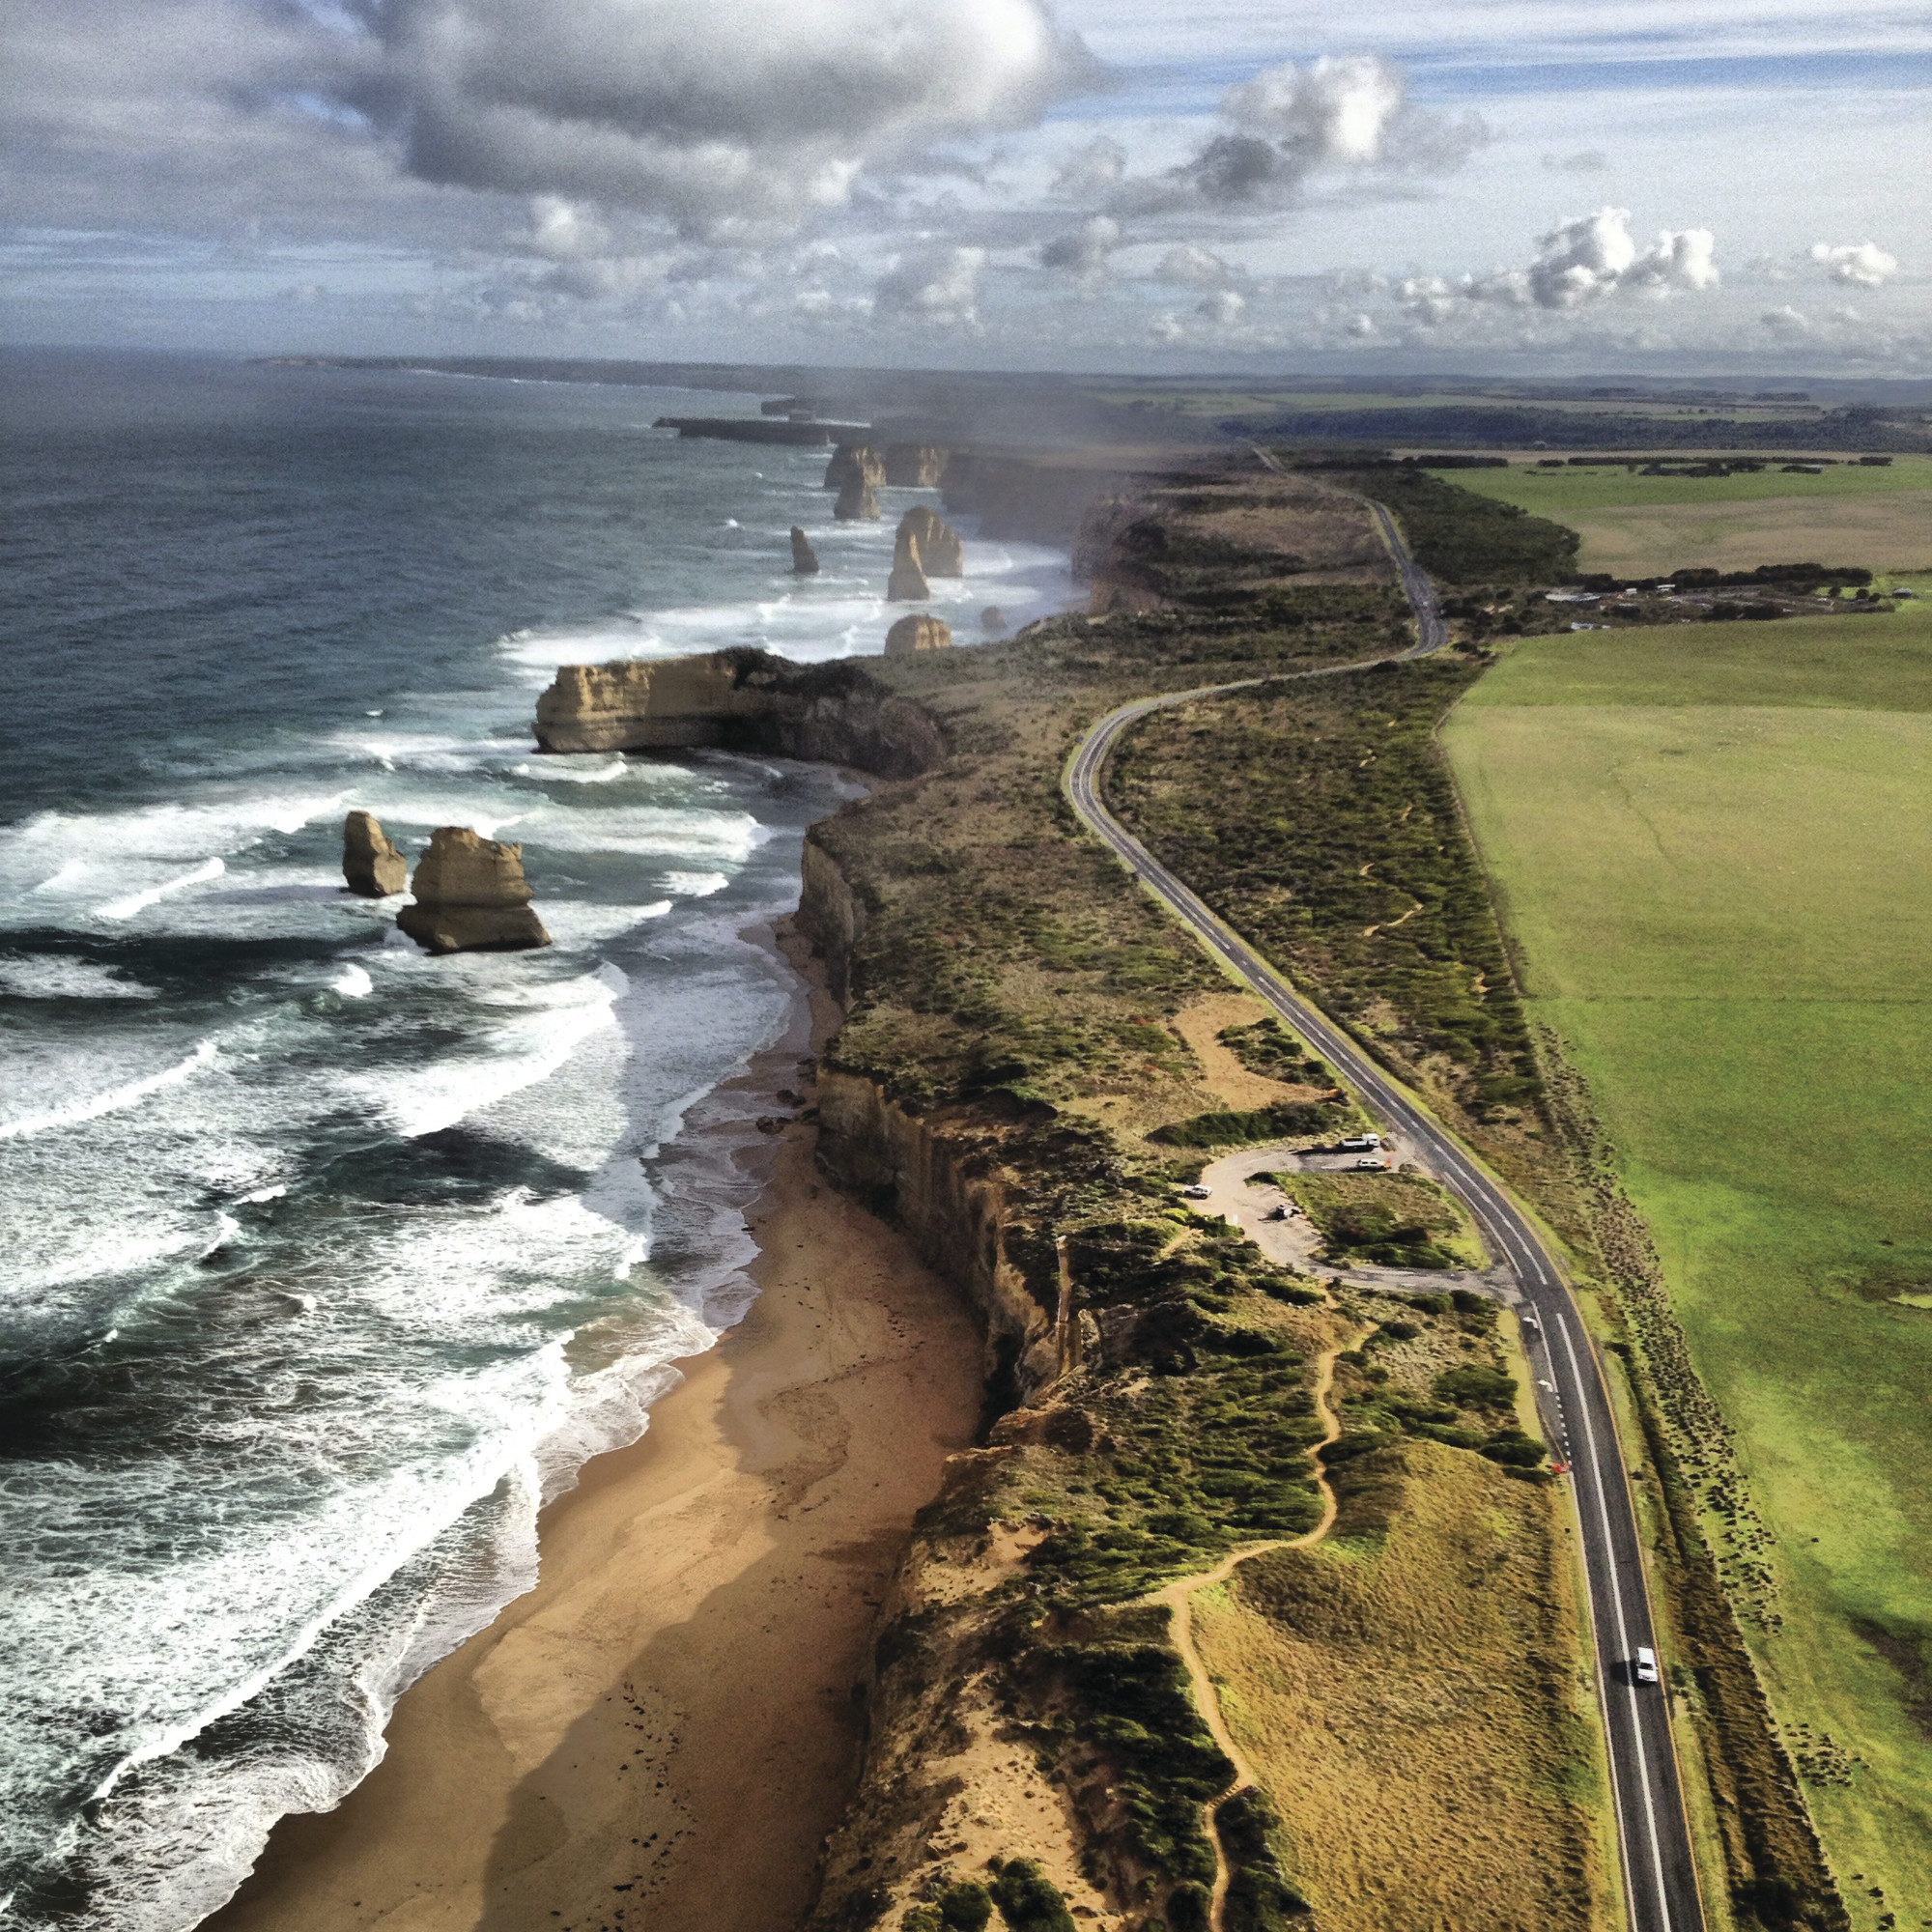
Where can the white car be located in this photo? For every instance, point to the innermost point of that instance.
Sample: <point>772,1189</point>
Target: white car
<point>1367,1160</point>
<point>1644,1665</point>
<point>1196,1193</point>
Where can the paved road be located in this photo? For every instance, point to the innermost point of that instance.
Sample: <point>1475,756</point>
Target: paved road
<point>1660,1877</point>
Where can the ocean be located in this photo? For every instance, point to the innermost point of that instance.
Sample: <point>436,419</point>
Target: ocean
<point>326,1263</point>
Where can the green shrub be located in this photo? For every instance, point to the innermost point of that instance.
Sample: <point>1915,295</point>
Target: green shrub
<point>1474,1386</point>
<point>921,1919</point>
<point>1286,1121</point>
<point>1468,1302</point>
<point>966,1907</point>
<point>1431,1304</point>
<point>1029,1900</point>
<point>1398,1332</point>
<point>1513,1447</point>
<point>1187,1908</point>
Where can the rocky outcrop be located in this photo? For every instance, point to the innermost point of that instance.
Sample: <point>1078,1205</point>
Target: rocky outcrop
<point>912,634</point>
<point>852,460</point>
<point>993,621</point>
<point>371,864</point>
<point>739,700</point>
<point>471,896</point>
<point>941,553</point>
<point>804,559</point>
<point>857,502</point>
<point>907,584</point>
<point>915,466</point>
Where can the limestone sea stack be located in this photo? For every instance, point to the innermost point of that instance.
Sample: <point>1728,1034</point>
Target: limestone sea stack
<point>912,634</point>
<point>907,584</point>
<point>857,503</point>
<point>993,621</point>
<point>854,459</point>
<point>804,559</point>
<point>940,550</point>
<point>915,466</point>
<point>370,864</point>
<point>471,897</point>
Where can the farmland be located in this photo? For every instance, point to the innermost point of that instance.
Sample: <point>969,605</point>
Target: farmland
<point>1711,857</point>
<point>1636,525</point>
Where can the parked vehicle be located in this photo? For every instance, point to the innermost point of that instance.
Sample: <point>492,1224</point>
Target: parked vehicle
<point>1360,1144</point>
<point>1644,1665</point>
<point>1369,1160</point>
<point>1196,1193</point>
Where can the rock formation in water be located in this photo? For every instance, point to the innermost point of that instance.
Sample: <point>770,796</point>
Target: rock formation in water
<point>471,896</point>
<point>372,866</point>
<point>915,466</point>
<point>856,502</point>
<point>854,459</point>
<point>907,584</point>
<point>993,621</point>
<point>804,559</point>
<point>941,553</point>
<point>912,634</point>
<point>739,700</point>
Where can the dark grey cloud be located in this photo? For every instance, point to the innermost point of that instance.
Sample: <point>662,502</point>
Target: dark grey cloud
<point>697,114</point>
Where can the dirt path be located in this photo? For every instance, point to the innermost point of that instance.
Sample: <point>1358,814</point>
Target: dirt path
<point>1179,1597</point>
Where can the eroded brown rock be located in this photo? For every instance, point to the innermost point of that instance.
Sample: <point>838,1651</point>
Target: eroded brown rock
<point>371,864</point>
<point>941,553</point>
<point>855,460</point>
<point>741,700</point>
<point>912,634</point>
<point>857,502</point>
<point>804,559</point>
<point>907,584</point>
<point>471,896</point>
<point>915,466</point>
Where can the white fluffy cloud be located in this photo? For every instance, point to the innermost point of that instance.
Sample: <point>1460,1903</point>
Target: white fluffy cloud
<point>1863,263</point>
<point>1090,170</point>
<point>1192,267</point>
<point>939,285</point>
<point>1580,262</point>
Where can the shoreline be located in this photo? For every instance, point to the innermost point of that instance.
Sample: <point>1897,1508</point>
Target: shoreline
<point>664,1726</point>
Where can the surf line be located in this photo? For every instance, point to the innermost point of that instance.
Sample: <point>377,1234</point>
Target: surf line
<point>112,1100</point>
<point>1177,1598</point>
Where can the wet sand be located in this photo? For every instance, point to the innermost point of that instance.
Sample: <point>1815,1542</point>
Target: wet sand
<point>661,1733</point>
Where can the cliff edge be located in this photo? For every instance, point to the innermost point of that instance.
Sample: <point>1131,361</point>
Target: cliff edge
<point>739,700</point>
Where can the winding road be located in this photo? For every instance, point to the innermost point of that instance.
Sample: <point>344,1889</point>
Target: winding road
<point>1660,1881</point>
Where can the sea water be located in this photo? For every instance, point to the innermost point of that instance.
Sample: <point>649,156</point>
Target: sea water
<point>324,1262</point>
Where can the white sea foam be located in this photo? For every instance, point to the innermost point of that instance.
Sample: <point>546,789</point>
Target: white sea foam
<point>129,1094</point>
<point>136,902</point>
<point>352,983</point>
<point>48,976</point>
<point>695,885</point>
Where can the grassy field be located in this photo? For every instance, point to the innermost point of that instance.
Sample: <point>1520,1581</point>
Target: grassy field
<point>1390,1660</point>
<point>1712,857</point>
<point>1879,517</point>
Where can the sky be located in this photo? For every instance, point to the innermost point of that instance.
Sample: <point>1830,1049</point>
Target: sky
<point>1675,187</point>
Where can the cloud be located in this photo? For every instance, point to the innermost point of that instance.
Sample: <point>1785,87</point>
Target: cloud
<point>1223,307</point>
<point>702,117</point>
<point>1101,164</point>
<point>1786,320</point>
<point>1585,161</point>
<point>940,286</point>
<point>1581,262</point>
<point>1594,255</point>
<point>1863,263</point>
<point>1192,267</point>
<point>1347,111</point>
<point>1084,252</point>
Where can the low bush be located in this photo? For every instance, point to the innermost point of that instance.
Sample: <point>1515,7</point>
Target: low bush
<point>966,1907</point>
<point>1289,1121</point>
<point>1473,1386</point>
<point>1030,1901</point>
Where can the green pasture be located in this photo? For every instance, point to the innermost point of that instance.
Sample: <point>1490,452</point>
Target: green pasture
<point>1552,493</point>
<point>1713,856</point>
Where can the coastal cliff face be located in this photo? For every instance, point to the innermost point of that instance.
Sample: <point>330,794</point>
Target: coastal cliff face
<point>739,700</point>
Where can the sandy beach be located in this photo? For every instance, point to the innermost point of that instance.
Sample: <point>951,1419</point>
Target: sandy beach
<point>663,1729</point>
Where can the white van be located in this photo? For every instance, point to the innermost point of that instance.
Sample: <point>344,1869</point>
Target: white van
<point>1360,1144</point>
